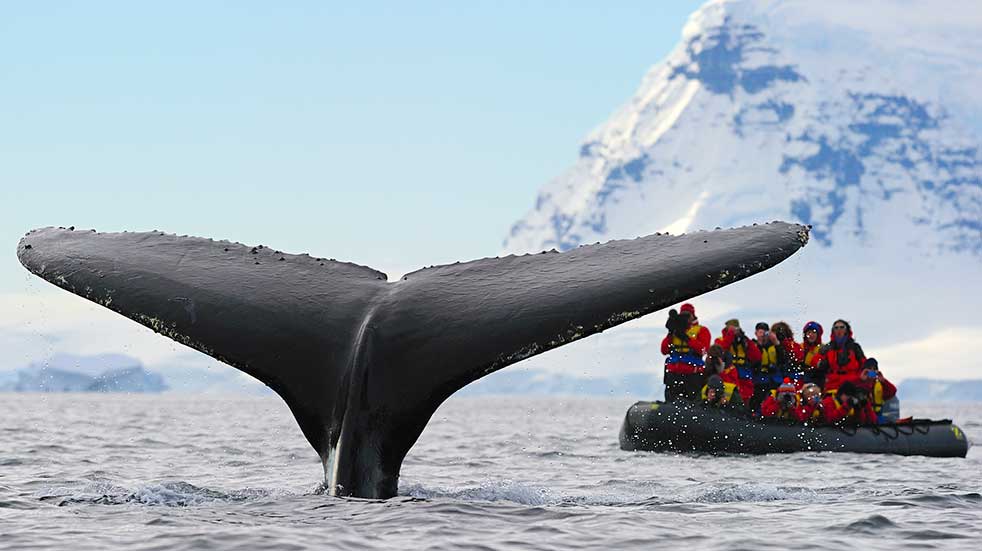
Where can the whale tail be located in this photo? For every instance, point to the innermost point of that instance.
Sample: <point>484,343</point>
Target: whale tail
<point>362,362</point>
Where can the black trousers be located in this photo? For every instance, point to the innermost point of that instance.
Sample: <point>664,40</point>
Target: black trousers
<point>686,386</point>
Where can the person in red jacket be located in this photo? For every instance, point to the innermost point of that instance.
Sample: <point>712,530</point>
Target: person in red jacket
<point>882,393</point>
<point>811,404</point>
<point>789,353</point>
<point>842,358</point>
<point>782,403</point>
<point>811,346</point>
<point>719,362</point>
<point>743,351</point>
<point>849,405</point>
<point>684,347</point>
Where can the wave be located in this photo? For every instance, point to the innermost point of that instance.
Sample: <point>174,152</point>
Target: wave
<point>872,524</point>
<point>164,494</point>
<point>614,493</point>
<point>490,490</point>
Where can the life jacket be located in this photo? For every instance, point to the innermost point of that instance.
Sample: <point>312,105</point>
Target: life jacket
<point>744,385</point>
<point>739,353</point>
<point>876,396</point>
<point>812,354</point>
<point>741,361</point>
<point>681,358</point>
<point>683,347</point>
<point>743,354</point>
<point>767,372</point>
<point>812,360</point>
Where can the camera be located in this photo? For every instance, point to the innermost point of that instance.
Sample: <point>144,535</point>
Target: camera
<point>786,399</point>
<point>677,322</point>
<point>672,322</point>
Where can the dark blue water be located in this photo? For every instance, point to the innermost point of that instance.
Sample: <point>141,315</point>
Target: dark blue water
<point>163,472</point>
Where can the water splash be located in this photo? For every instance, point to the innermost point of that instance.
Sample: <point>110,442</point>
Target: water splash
<point>750,493</point>
<point>489,490</point>
<point>163,494</point>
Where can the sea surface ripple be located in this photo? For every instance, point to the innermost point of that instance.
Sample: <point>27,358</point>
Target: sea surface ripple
<point>204,472</point>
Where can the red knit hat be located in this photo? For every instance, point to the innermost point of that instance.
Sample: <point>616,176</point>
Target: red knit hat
<point>786,386</point>
<point>688,308</point>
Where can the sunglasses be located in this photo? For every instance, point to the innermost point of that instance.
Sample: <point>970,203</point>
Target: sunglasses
<point>843,327</point>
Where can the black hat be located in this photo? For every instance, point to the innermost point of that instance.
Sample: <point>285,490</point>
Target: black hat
<point>871,363</point>
<point>715,383</point>
<point>762,325</point>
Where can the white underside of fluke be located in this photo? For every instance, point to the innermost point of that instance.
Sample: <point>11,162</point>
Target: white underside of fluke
<point>331,468</point>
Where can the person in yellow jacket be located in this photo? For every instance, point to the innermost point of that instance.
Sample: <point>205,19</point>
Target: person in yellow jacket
<point>684,347</point>
<point>882,393</point>
<point>717,393</point>
<point>766,373</point>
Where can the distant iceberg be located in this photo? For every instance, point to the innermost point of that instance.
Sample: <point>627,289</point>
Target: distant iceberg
<point>932,390</point>
<point>131,379</point>
<point>67,373</point>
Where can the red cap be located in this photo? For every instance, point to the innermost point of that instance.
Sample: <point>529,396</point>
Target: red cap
<point>688,308</point>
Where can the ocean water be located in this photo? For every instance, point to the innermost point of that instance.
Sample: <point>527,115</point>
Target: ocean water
<point>193,472</point>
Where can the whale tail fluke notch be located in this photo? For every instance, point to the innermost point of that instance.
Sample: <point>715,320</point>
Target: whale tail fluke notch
<point>364,363</point>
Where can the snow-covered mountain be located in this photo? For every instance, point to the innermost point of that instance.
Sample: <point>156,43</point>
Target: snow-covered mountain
<point>861,119</point>
<point>763,112</point>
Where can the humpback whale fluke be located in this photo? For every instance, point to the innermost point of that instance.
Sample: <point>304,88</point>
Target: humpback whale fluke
<point>363,363</point>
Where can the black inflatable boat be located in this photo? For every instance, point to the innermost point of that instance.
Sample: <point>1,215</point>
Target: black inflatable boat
<point>684,426</point>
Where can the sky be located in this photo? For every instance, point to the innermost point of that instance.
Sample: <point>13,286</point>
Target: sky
<point>392,135</point>
<point>388,134</point>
